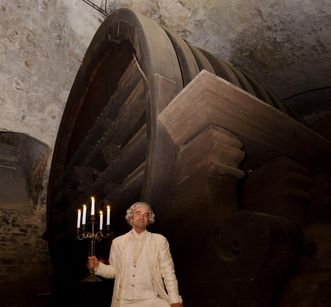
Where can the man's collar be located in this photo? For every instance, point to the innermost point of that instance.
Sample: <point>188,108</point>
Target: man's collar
<point>138,235</point>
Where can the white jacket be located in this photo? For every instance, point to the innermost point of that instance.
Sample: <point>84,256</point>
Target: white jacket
<point>159,260</point>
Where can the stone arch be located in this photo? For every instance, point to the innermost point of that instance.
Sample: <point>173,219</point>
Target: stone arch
<point>23,161</point>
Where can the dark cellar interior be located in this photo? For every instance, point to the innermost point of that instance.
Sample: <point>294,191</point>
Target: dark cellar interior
<point>232,155</point>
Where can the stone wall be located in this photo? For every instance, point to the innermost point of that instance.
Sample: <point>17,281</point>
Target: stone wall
<point>41,47</point>
<point>26,273</point>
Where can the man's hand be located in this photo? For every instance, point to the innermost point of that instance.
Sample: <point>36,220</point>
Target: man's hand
<point>93,262</point>
<point>177,305</point>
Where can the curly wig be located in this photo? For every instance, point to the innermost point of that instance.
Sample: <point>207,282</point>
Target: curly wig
<point>130,211</point>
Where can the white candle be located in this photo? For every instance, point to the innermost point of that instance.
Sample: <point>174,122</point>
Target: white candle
<point>84,215</point>
<point>108,215</point>
<point>101,220</point>
<point>92,205</point>
<point>79,214</point>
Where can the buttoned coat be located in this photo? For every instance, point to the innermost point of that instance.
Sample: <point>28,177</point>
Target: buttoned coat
<point>159,260</point>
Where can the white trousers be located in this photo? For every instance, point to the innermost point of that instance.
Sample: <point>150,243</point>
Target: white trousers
<point>154,302</point>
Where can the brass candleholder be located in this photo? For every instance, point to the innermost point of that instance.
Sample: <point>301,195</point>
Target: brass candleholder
<point>93,236</point>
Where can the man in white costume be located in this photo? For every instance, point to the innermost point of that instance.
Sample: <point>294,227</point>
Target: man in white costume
<point>141,263</point>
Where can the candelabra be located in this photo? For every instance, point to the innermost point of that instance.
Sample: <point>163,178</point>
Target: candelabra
<point>93,236</point>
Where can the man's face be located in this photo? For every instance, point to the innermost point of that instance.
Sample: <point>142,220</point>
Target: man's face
<point>140,218</point>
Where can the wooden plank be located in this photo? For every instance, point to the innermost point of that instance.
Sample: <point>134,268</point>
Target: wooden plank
<point>261,93</point>
<point>245,85</point>
<point>187,62</point>
<point>222,69</point>
<point>129,189</point>
<point>127,84</point>
<point>128,159</point>
<point>210,99</point>
<point>202,61</point>
<point>213,148</point>
<point>130,118</point>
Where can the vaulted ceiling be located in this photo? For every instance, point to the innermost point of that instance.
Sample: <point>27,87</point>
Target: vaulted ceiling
<point>284,44</point>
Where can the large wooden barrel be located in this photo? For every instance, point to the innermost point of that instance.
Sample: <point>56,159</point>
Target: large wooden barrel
<point>111,143</point>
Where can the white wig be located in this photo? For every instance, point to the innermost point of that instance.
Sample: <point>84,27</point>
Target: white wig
<point>130,211</point>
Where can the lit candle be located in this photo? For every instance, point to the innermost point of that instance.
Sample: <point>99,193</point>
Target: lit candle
<point>79,214</point>
<point>84,215</point>
<point>92,205</point>
<point>101,220</point>
<point>108,215</point>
